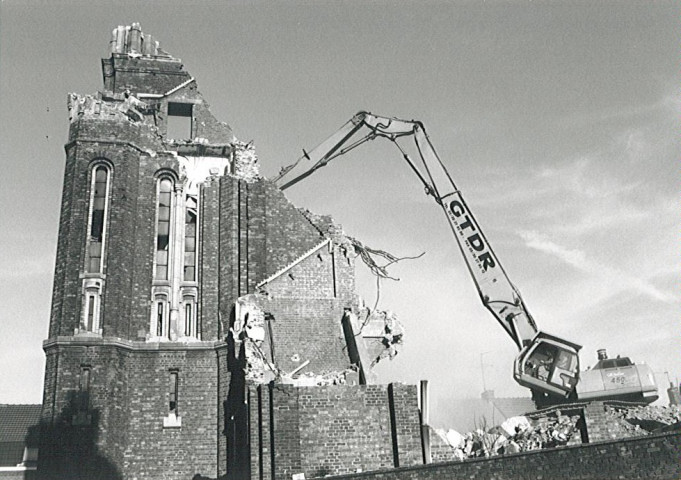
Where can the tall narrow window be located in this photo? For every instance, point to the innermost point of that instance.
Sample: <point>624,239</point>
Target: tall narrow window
<point>172,397</point>
<point>190,240</point>
<point>188,319</point>
<point>163,227</point>
<point>91,306</point>
<point>84,389</point>
<point>161,324</point>
<point>97,223</point>
<point>81,405</point>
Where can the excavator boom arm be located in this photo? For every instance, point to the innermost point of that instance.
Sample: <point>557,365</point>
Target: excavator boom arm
<point>496,291</point>
<point>546,364</point>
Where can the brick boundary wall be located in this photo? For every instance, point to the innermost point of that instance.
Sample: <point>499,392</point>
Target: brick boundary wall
<point>325,430</point>
<point>651,457</point>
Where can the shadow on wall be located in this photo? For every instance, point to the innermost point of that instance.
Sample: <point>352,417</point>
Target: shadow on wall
<point>235,428</point>
<point>68,447</point>
<point>236,415</point>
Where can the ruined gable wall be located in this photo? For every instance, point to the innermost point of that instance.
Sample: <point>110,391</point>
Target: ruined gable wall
<point>261,232</point>
<point>204,123</point>
<point>305,330</point>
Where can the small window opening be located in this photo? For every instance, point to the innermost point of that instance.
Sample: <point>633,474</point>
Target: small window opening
<point>91,313</point>
<point>179,121</point>
<point>172,404</point>
<point>160,314</point>
<point>188,319</point>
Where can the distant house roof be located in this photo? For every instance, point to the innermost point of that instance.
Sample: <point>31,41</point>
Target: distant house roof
<point>468,414</point>
<point>15,420</point>
<point>15,426</point>
<point>513,406</point>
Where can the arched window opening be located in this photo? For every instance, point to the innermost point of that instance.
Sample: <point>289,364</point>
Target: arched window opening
<point>91,310</point>
<point>97,222</point>
<point>162,317</point>
<point>163,227</point>
<point>190,316</point>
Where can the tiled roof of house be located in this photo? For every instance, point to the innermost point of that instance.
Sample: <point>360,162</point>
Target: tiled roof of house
<point>468,414</point>
<point>16,433</point>
<point>15,421</point>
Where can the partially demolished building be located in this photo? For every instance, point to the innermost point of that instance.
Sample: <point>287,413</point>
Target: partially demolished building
<point>200,323</point>
<point>202,326</point>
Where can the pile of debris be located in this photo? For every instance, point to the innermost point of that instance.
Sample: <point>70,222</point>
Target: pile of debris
<point>647,418</point>
<point>516,434</point>
<point>549,430</point>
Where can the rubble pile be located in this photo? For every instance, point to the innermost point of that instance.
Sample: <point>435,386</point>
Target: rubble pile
<point>516,434</point>
<point>310,379</point>
<point>648,418</point>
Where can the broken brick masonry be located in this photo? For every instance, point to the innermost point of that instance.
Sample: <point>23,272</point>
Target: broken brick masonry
<point>193,303</point>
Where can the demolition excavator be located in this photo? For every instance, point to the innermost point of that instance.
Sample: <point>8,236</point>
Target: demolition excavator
<point>547,365</point>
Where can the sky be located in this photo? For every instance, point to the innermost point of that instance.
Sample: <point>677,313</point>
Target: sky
<point>557,120</point>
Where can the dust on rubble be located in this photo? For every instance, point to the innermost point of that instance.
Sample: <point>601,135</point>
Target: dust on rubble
<point>553,429</point>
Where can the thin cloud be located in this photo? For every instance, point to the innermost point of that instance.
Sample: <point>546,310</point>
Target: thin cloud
<point>578,259</point>
<point>22,268</point>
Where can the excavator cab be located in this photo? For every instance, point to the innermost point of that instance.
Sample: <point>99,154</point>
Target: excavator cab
<point>548,364</point>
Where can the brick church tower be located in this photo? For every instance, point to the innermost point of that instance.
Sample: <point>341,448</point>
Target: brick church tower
<point>192,300</point>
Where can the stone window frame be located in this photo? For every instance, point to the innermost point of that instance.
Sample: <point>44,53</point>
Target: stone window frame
<point>90,321</point>
<point>163,289</point>
<point>189,299</point>
<point>94,281</point>
<point>161,176</point>
<point>161,298</point>
<point>94,165</point>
